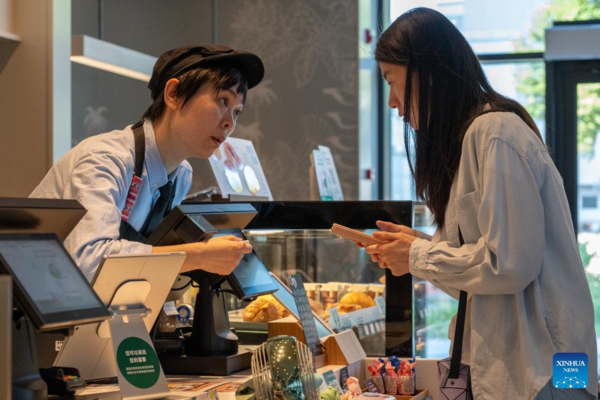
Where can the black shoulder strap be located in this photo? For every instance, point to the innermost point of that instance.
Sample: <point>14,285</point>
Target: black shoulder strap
<point>462,307</point>
<point>140,148</point>
<point>491,110</point>
<point>459,329</point>
<point>136,180</point>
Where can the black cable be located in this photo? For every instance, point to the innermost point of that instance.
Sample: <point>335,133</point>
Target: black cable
<point>154,329</point>
<point>219,290</point>
<point>190,283</point>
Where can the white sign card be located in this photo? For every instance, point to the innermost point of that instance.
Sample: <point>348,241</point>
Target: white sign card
<point>332,175</point>
<point>342,322</point>
<point>323,183</point>
<point>238,171</point>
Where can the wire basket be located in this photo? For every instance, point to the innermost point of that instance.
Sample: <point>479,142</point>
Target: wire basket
<point>282,368</point>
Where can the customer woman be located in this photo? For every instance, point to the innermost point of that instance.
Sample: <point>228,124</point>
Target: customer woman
<point>504,230</point>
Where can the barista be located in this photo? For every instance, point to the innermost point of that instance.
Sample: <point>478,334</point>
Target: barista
<point>129,179</point>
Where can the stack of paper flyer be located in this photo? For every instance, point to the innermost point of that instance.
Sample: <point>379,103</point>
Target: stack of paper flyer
<point>198,389</point>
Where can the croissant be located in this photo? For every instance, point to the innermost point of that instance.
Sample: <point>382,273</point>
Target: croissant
<point>260,310</point>
<point>281,310</point>
<point>315,306</point>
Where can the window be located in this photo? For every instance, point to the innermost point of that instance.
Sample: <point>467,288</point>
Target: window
<point>589,202</point>
<point>368,81</point>
<point>523,81</point>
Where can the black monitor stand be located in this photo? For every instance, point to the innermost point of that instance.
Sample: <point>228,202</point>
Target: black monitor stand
<point>211,332</point>
<point>212,348</point>
<point>27,384</point>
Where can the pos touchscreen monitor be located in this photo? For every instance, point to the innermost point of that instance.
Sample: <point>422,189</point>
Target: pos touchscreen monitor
<point>250,278</point>
<point>188,223</point>
<point>58,216</point>
<point>48,286</point>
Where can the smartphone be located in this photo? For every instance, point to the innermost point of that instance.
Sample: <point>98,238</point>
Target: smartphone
<point>354,235</point>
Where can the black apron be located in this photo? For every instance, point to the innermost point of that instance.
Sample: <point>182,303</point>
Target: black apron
<point>162,206</point>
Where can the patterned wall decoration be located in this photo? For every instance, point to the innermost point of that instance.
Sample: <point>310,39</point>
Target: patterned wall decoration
<point>103,101</point>
<point>309,95</point>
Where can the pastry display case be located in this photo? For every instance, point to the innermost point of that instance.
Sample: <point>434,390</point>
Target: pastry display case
<point>346,289</point>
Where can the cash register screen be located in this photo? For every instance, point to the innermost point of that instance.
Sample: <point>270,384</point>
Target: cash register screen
<point>250,278</point>
<point>48,285</point>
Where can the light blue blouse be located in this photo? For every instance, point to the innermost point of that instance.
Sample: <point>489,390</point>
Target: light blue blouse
<point>97,172</point>
<point>528,293</point>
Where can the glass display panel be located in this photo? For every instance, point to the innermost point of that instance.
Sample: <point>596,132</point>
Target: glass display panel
<point>345,287</point>
<point>588,189</point>
<point>336,273</point>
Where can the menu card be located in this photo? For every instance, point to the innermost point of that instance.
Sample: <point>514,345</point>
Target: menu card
<point>305,313</point>
<point>331,172</point>
<point>324,180</point>
<point>371,386</point>
<point>331,380</point>
<point>237,170</point>
<point>344,375</point>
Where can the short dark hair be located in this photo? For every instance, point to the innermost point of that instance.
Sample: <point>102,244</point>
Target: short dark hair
<point>452,89</point>
<point>221,77</point>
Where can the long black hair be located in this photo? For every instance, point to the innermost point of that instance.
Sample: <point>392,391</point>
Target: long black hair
<point>452,91</point>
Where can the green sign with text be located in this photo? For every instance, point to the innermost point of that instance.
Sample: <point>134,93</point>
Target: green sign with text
<point>138,362</point>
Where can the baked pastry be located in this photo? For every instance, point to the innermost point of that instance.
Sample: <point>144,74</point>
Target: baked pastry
<point>315,306</point>
<point>346,308</point>
<point>264,309</point>
<point>359,298</point>
<point>281,310</point>
<point>260,310</point>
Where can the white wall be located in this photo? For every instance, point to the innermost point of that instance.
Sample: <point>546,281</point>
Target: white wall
<point>28,110</point>
<point>6,16</point>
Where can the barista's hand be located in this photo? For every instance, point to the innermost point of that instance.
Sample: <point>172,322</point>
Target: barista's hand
<point>219,255</point>
<point>222,254</point>
<point>394,253</point>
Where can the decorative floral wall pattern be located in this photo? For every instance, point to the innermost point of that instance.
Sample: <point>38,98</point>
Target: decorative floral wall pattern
<point>308,98</point>
<point>309,95</point>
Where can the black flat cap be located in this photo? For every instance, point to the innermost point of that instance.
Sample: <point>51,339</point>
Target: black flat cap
<point>174,63</point>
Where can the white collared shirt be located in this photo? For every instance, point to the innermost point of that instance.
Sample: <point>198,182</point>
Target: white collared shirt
<point>528,292</point>
<point>98,172</point>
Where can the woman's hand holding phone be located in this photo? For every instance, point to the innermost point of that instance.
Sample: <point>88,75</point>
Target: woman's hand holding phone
<point>394,228</point>
<point>389,247</point>
<point>392,254</point>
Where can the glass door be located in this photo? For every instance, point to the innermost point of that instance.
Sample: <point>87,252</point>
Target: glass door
<point>588,188</point>
<point>573,123</point>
